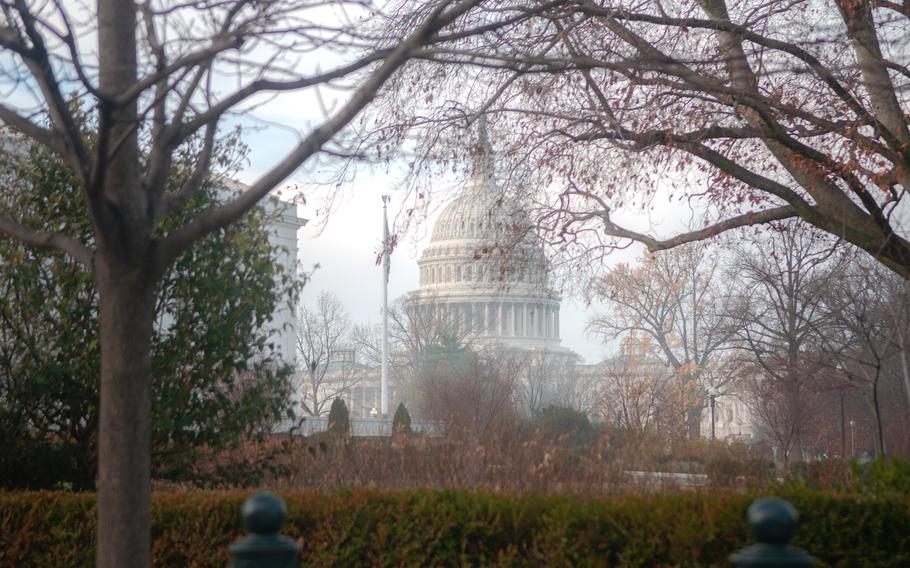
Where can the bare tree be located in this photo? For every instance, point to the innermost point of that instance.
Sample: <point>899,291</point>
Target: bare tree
<point>471,395</point>
<point>548,378</point>
<point>636,393</point>
<point>324,332</point>
<point>748,112</point>
<point>152,74</point>
<point>783,278</point>
<point>674,299</point>
<point>414,334</point>
<point>868,347</point>
<point>898,318</point>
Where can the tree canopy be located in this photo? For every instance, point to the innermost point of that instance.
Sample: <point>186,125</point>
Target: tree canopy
<point>216,377</point>
<point>746,113</point>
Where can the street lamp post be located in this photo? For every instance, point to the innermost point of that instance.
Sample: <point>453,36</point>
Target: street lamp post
<point>852,439</point>
<point>712,396</point>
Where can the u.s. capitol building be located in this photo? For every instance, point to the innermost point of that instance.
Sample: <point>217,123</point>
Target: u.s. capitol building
<point>484,274</point>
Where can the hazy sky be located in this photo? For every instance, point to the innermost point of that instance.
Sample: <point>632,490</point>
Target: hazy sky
<point>347,248</point>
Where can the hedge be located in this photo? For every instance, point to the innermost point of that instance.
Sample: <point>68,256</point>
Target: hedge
<point>454,528</point>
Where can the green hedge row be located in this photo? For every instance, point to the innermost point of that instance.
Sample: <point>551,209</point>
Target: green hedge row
<point>454,528</point>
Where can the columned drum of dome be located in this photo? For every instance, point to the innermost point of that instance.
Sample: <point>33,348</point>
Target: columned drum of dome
<point>484,272</point>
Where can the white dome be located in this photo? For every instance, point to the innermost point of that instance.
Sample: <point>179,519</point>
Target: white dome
<point>483,269</point>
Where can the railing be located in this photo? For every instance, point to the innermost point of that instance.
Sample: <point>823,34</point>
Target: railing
<point>366,427</point>
<point>772,523</point>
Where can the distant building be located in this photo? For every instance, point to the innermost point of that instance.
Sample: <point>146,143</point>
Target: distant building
<point>733,418</point>
<point>484,278</point>
<point>485,274</point>
<point>637,390</point>
<point>283,225</point>
<point>284,222</point>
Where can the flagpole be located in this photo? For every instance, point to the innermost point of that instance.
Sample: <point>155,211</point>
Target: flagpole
<point>384,384</point>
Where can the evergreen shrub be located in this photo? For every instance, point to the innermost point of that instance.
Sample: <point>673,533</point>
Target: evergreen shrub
<point>339,419</point>
<point>453,528</point>
<point>401,422</point>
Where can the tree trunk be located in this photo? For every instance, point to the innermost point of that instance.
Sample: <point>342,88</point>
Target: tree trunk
<point>795,411</point>
<point>127,310</point>
<point>905,371</point>
<point>877,417</point>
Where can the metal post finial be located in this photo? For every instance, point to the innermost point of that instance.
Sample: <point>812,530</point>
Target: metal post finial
<point>772,522</point>
<point>263,516</point>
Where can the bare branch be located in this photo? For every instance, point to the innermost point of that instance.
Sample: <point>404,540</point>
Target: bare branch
<point>47,240</point>
<point>221,216</point>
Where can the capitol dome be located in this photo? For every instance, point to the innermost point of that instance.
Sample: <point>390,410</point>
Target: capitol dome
<point>484,272</point>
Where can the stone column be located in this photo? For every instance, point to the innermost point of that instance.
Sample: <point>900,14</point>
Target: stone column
<point>484,318</point>
<point>539,318</point>
<point>543,320</point>
<point>529,321</point>
<point>552,322</point>
<point>519,319</point>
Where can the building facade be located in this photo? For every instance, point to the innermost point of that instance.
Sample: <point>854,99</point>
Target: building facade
<point>484,275</point>
<point>284,223</point>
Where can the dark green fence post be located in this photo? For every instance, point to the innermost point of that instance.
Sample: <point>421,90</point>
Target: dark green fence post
<point>263,516</point>
<point>772,523</point>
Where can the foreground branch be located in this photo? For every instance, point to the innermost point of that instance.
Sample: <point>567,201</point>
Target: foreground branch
<point>745,220</point>
<point>47,240</point>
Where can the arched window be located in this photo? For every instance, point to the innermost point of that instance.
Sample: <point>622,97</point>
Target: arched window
<point>467,273</point>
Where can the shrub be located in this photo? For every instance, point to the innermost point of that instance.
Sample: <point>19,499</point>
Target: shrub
<point>449,528</point>
<point>566,424</point>
<point>339,421</point>
<point>401,423</point>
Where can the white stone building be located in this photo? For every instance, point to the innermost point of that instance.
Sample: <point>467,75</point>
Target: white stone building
<point>485,274</point>
<point>284,223</point>
<point>484,277</point>
<point>733,418</point>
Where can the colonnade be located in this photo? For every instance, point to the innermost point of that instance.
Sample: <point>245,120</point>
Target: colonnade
<point>499,318</point>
